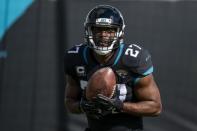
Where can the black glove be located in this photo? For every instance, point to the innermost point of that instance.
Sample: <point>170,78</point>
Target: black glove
<point>91,108</point>
<point>108,104</point>
<point>87,106</point>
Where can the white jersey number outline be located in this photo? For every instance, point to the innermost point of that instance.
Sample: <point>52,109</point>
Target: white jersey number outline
<point>132,52</point>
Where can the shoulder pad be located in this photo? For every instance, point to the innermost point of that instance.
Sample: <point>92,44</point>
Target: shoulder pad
<point>137,59</point>
<point>73,57</point>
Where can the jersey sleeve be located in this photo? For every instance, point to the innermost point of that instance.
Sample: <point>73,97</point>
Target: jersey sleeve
<point>138,61</point>
<point>68,70</point>
<point>66,67</point>
<point>71,60</point>
<point>145,66</point>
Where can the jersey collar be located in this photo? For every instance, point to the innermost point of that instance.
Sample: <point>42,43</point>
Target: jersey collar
<point>90,60</point>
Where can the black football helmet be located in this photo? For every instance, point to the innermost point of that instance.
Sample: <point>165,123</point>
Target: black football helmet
<point>108,17</point>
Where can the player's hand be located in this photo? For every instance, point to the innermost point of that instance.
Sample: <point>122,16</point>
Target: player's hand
<point>87,106</point>
<point>91,109</point>
<point>109,104</point>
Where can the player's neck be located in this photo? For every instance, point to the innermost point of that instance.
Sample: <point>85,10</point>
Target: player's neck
<point>103,59</point>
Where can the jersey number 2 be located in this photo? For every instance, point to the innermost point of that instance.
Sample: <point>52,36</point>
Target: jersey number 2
<point>130,51</point>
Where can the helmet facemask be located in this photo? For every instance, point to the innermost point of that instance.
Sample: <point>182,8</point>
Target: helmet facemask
<point>103,39</point>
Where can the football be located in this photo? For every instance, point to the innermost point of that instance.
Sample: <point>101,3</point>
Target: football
<point>103,81</point>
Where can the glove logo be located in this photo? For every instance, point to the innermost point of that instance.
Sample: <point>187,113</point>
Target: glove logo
<point>114,111</point>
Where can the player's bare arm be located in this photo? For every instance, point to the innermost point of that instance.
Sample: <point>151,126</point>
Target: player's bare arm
<point>148,95</point>
<point>71,95</point>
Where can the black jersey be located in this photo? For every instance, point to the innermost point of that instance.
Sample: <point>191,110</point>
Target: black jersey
<point>130,63</point>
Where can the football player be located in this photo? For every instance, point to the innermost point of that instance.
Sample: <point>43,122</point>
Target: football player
<point>137,94</point>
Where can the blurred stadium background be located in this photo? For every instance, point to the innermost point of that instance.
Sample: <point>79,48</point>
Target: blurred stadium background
<point>35,33</point>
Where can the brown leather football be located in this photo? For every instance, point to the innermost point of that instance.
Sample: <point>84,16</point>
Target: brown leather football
<point>103,81</point>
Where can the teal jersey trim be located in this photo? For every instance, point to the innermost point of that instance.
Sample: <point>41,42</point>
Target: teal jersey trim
<point>119,54</point>
<point>149,71</point>
<point>136,80</point>
<point>85,54</point>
